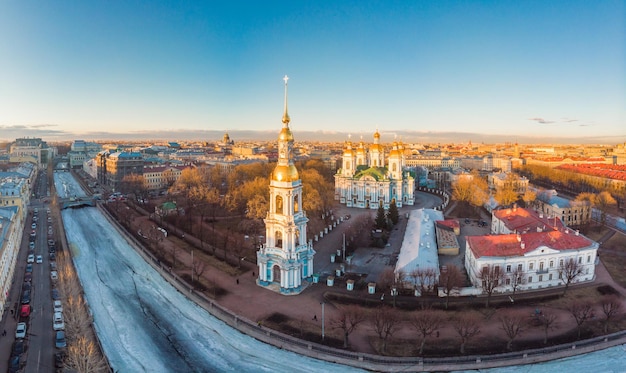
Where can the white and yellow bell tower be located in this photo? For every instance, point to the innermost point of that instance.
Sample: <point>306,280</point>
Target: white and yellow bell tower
<point>287,256</point>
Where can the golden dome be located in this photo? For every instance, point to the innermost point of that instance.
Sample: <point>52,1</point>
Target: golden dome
<point>360,150</point>
<point>376,135</point>
<point>285,173</point>
<point>285,134</point>
<point>286,118</point>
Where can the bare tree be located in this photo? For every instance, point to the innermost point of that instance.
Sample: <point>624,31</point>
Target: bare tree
<point>511,322</point>
<point>387,279</point>
<point>426,323</point>
<point>491,277</point>
<point>385,321</point>
<point>348,320</point>
<point>198,268</point>
<point>450,280</point>
<point>582,312</point>
<point>611,307</point>
<point>425,279</point>
<point>569,270</point>
<point>84,356</point>
<point>548,322</point>
<point>466,326</point>
<point>517,279</point>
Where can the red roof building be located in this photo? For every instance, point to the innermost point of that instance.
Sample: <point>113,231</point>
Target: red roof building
<point>538,256</point>
<point>522,220</point>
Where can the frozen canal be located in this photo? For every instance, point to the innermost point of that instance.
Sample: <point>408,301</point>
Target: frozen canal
<point>145,325</point>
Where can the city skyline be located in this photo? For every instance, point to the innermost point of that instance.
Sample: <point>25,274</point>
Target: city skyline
<point>425,72</point>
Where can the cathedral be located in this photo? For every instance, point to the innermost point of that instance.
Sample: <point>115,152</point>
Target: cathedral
<point>368,179</point>
<point>286,258</point>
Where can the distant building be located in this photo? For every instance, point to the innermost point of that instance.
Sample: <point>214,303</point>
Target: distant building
<point>80,151</point>
<point>368,178</point>
<point>162,176</point>
<point>523,220</point>
<point>31,150</point>
<point>570,212</point>
<point>499,180</point>
<point>113,167</point>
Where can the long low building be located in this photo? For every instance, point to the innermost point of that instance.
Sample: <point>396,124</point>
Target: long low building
<point>419,247</point>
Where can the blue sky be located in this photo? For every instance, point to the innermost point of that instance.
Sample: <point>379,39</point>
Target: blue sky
<point>516,69</point>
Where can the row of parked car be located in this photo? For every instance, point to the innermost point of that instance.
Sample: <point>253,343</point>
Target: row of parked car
<point>58,323</point>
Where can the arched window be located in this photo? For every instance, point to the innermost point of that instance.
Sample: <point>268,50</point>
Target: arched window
<point>296,205</point>
<point>278,238</point>
<point>279,204</point>
<point>298,237</point>
<point>393,167</point>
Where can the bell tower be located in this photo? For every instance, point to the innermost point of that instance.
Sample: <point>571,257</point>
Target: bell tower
<point>287,257</point>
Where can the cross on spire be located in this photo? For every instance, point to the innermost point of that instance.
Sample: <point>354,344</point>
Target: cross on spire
<point>286,118</point>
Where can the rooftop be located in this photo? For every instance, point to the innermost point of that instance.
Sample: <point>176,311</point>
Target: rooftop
<point>510,245</point>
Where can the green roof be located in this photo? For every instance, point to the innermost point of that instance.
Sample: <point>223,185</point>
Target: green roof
<point>378,173</point>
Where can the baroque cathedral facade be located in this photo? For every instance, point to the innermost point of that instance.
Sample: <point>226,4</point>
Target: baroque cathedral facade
<point>286,258</point>
<point>368,178</point>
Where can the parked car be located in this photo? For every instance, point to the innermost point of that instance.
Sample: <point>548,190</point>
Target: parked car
<point>59,360</point>
<point>28,277</point>
<point>14,364</point>
<point>39,259</point>
<point>58,306</point>
<point>53,266</point>
<point>59,340</point>
<point>31,258</point>
<point>57,321</point>
<point>34,225</point>
<point>20,331</point>
<point>25,311</point>
<point>54,275</point>
<point>26,286</point>
<point>55,294</point>
<point>29,268</point>
<point>26,297</point>
<point>31,245</point>
<point>51,243</point>
<point>18,347</point>
<point>53,256</point>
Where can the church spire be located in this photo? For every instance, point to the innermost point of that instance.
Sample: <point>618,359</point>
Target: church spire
<point>286,118</point>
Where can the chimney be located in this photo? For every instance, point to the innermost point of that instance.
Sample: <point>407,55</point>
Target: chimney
<point>522,245</point>
<point>577,232</point>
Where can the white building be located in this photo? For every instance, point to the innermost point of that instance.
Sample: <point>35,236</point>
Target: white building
<point>11,231</point>
<point>286,259</point>
<point>538,256</point>
<point>419,245</point>
<point>368,179</point>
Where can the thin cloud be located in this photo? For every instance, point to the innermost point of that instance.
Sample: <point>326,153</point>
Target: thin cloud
<point>567,120</point>
<point>541,120</point>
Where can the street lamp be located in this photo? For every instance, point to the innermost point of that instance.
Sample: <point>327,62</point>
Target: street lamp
<point>322,320</point>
